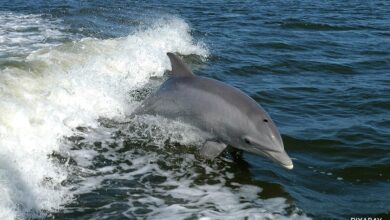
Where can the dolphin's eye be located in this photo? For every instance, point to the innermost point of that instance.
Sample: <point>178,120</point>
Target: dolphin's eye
<point>247,141</point>
<point>265,120</point>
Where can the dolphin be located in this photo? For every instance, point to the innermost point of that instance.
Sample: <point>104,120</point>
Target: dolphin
<point>229,115</point>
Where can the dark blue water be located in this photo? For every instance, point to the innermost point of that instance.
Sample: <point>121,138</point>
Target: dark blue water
<point>321,70</point>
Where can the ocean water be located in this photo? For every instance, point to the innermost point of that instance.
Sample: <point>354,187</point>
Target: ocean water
<point>71,72</point>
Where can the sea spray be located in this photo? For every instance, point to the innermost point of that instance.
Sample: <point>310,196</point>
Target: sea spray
<point>60,88</point>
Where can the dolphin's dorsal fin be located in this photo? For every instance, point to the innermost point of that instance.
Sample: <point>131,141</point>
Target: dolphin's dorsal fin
<point>179,69</point>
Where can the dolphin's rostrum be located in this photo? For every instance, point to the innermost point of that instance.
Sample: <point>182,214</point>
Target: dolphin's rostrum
<point>228,114</point>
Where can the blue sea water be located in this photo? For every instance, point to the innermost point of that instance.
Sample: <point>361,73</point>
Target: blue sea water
<point>72,71</point>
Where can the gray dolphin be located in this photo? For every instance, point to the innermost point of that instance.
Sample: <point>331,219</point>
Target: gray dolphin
<point>228,114</point>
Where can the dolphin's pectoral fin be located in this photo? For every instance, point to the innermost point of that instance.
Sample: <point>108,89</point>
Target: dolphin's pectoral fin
<point>179,68</point>
<point>212,149</point>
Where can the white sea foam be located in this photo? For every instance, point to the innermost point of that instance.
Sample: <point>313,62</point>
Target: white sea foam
<point>181,192</point>
<point>21,34</point>
<point>64,87</point>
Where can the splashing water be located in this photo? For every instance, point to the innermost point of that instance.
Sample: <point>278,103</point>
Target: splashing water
<point>56,89</point>
<point>68,148</point>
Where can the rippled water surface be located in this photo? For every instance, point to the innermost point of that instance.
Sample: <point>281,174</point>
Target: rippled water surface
<point>71,72</point>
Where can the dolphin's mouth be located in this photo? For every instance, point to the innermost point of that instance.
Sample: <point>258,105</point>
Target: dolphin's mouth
<point>289,166</point>
<point>280,158</point>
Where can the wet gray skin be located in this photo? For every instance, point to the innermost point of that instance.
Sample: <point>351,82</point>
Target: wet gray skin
<point>231,116</point>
